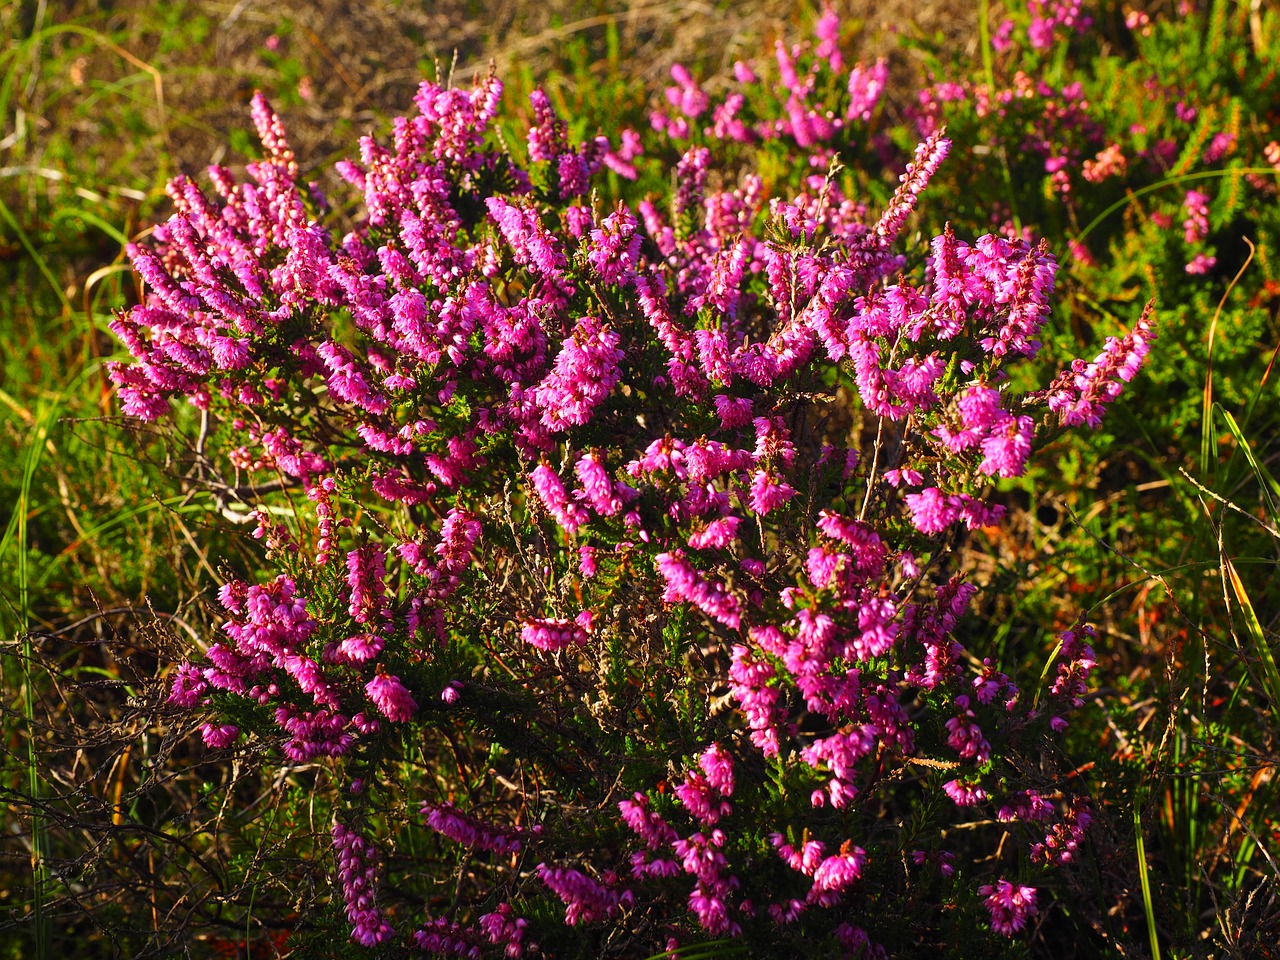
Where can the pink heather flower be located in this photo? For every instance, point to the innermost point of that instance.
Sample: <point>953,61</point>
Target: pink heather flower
<point>1005,453</point>
<point>786,912</point>
<point>718,766</point>
<point>598,488</point>
<point>390,697</point>
<point>931,510</point>
<point>1081,393</point>
<point>319,733</point>
<point>661,456</point>
<point>642,866</point>
<point>715,535</point>
<point>991,683</point>
<point>646,824</point>
<point>586,900</point>
<point>1064,838</point>
<point>701,799</point>
<point>551,492</point>
<point>1221,144</point>
<point>504,930</point>
<point>1026,805</point>
<point>614,247</point>
<point>827,32</point>
<point>547,137</point>
<point>929,156</point>
<point>358,874</point>
<point>700,856</point>
<point>841,752</point>
<point>712,912</point>
<point>1010,906</point>
<point>1196,226</point>
<point>685,583</point>
<point>584,373</point>
<point>686,96</point>
<point>188,686</point>
<point>1201,264</point>
<point>630,144</point>
<point>366,569</point>
<point>806,860</point>
<point>733,411</point>
<point>470,831</point>
<point>458,536</point>
<point>768,492</point>
<point>361,647</point>
<point>1075,661</point>
<point>908,565</point>
<point>531,244</point>
<point>759,702</point>
<point>866,84</point>
<point>552,635</point>
<point>441,937</point>
<point>691,179</point>
<point>219,736</point>
<point>1081,253</point>
<point>1048,15</point>
<point>964,794</point>
<point>452,692</point>
<point>876,621</point>
<point>835,873</point>
<point>965,737</point>
<point>904,477</point>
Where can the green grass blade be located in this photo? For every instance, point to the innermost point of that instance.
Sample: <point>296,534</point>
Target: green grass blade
<point>1128,198</point>
<point>7,215</point>
<point>93,220</point>
<point>1206,410</point>
<point>39,867</point>
<point>704,951</point>
<point>1253,626</point>
<point>174,503</point>
<point>1147,905</point>
<point>1270,488</point>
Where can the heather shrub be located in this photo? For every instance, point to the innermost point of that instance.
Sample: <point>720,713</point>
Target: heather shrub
<point>610,568</point>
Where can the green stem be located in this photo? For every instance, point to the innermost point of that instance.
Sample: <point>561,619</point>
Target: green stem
<point>1150,188</point>
<point>39,864</point>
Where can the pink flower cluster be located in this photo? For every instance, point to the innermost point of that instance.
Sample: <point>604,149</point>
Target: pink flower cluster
<point>1011,906</point>
<point>502,928</point>
<point>446,819</point>
<point>527,427</point>
<point>1082,393</point>
<point>586,900</point>
<point>358,874</point>
<point>795,112</point>
<point>704,794</point>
